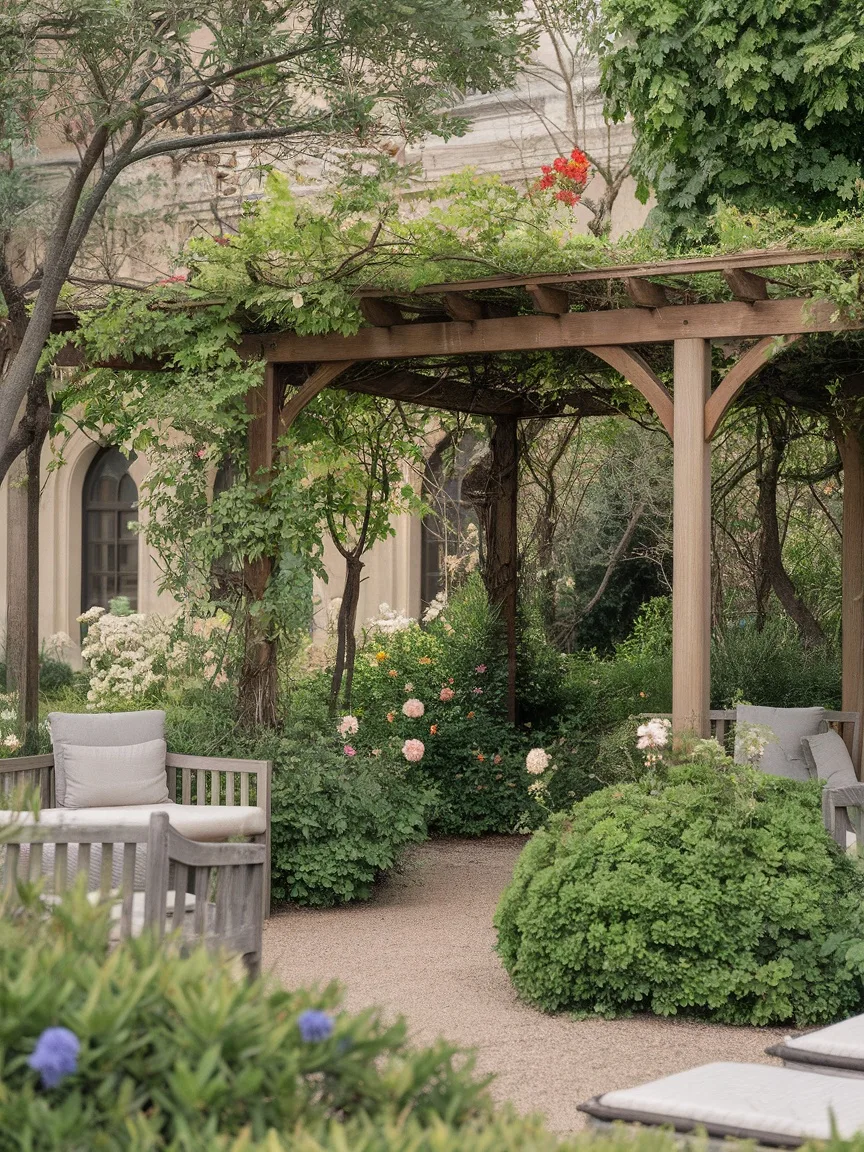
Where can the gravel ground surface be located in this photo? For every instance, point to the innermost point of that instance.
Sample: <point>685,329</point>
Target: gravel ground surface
<point>423,948</point>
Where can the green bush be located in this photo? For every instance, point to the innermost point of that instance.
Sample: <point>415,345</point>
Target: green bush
<point>55,675</point>
<point>711,891</point>
<point>176,1050</point>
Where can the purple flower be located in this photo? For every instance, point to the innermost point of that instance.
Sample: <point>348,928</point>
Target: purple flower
<point>55,1055</point>
<point>314,1025</point>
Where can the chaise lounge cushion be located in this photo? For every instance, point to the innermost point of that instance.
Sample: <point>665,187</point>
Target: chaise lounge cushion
<point>200,822</point>
<point>756,1101</point>
<point>838,1046</point>
<point>99,730</point>
<point>828,759</point>
<point>784,755</point>
<point>98,777</point>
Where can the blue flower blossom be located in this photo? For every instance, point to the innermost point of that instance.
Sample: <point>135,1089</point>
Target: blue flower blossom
<point>314,1025</point>
<point>55,1055</point>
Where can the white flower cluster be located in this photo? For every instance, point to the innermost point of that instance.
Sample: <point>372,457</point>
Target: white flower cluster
<point>389,620</point>
<point>10,742</point>
<point>126,655</point>
<point>751,740</point>
<point>434,610</point>
<point>654,734</point>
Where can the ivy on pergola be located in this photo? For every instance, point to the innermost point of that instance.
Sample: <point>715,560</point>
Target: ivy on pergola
<point>434,346</point>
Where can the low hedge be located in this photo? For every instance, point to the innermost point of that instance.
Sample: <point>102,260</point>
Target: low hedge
<point>712,890</point>
<point>175,1051</point>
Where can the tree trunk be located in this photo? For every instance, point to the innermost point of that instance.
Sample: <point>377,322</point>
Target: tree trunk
<point>258,691</point>
<point>500,572</point>
<point>346,643</point>
<point>22,595</point>
<point>771,550</point>
<point>852,454</point>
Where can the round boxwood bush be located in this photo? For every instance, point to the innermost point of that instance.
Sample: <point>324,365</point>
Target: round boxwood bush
<point>711,891</point>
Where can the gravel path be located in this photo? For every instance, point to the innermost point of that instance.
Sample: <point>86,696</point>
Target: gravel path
<point>423,948</point>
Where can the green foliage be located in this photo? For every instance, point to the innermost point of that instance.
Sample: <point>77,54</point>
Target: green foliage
<point>752,103</point>
<point>711,891</point>
<point>176,1051</point>
<point>54,675</point>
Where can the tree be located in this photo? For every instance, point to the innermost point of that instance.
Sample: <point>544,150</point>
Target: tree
<point>755,104</point>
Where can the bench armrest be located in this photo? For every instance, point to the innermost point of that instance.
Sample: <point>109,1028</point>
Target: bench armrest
<point>839,800</point>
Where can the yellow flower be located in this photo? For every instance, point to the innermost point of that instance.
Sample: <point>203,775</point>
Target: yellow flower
<point>381,656</point>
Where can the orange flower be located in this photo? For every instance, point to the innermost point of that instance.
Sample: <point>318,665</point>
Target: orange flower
<point>433,730</point>
<point>392,672</point>
<point>425,660</point>
<point>480,757</point>
<point>470,715</point>
<point>390,717</point>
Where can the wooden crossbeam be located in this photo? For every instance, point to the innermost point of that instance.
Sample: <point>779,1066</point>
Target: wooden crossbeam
<point>459,307</point>
<point>746,286</point>
<point>380,313</point>
<point>687,265</point>
<point>645,293</point>
<point>573,330</point>
<point>552,301</point>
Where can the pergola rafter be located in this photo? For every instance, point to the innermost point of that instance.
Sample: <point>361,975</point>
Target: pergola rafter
<point>609,312</point>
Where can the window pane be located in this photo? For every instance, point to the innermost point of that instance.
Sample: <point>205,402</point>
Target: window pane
<point>110,546</point>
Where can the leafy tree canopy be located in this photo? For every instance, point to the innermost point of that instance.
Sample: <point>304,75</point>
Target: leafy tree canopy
<point>749,102</point>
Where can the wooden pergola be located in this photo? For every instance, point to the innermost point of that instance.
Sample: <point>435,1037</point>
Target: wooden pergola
<point>609,312</point>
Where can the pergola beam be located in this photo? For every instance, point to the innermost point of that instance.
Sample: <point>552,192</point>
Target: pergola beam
<point>745,286</point>
<point>645,293</point>
<point>573,330</point>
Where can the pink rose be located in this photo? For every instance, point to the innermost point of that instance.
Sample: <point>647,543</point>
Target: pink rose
<point>348,726</point>
<point>477,691</point>
<point>413,750</point>
<point>413,709</point>
<point>349,751</point>
<point>446,694</point>
<point>481,668</point>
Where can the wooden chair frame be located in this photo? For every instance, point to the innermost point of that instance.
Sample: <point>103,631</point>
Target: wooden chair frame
<point>232,874</point>
<point>213,781</point>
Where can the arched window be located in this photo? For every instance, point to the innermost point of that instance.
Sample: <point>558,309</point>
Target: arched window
<point>110,545</point>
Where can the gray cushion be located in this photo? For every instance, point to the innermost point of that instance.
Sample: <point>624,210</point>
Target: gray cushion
<point>128,774</point>
<point>828,758</point>
<point>784,755</point>
<point>99,730</point>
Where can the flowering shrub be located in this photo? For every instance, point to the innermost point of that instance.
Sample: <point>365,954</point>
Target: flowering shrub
<point>566,177</point>
<point>145,1048</point>
<point>135,656</point>
<point>435,696</point>
<point>705,887</point>
<point>10,742</point>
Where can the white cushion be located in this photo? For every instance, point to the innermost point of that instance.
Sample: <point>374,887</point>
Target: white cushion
<point>194,821</point>
<point>784,755</point>
<point>99,729</point>
<point>99,777</point>
<point>757,1097</point>
<point>844,1039</point>
<point>828,759</point>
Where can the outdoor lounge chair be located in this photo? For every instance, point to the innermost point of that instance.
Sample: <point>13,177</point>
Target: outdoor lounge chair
<point>837,1050</point>
<point>779,1107</point>
<point>205,893</point>
<point>114,769</point>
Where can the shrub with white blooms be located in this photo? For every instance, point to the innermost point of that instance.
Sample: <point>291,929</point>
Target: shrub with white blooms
<point>125,654</point>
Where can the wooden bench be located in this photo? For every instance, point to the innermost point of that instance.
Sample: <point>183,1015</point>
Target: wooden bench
<point>203,893</point>
<point>200,781</point>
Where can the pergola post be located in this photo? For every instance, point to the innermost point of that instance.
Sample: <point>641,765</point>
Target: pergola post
<point>691,540</point>
<point>852,620</point>
<point>502,561</point>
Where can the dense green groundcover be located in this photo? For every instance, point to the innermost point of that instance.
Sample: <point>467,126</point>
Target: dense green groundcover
<point>710,890</point>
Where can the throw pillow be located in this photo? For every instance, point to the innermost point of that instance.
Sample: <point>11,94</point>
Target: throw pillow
<point>783,756</point>
<point>99,729</point>
<point>829,759</point>
<point>104,777</point>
